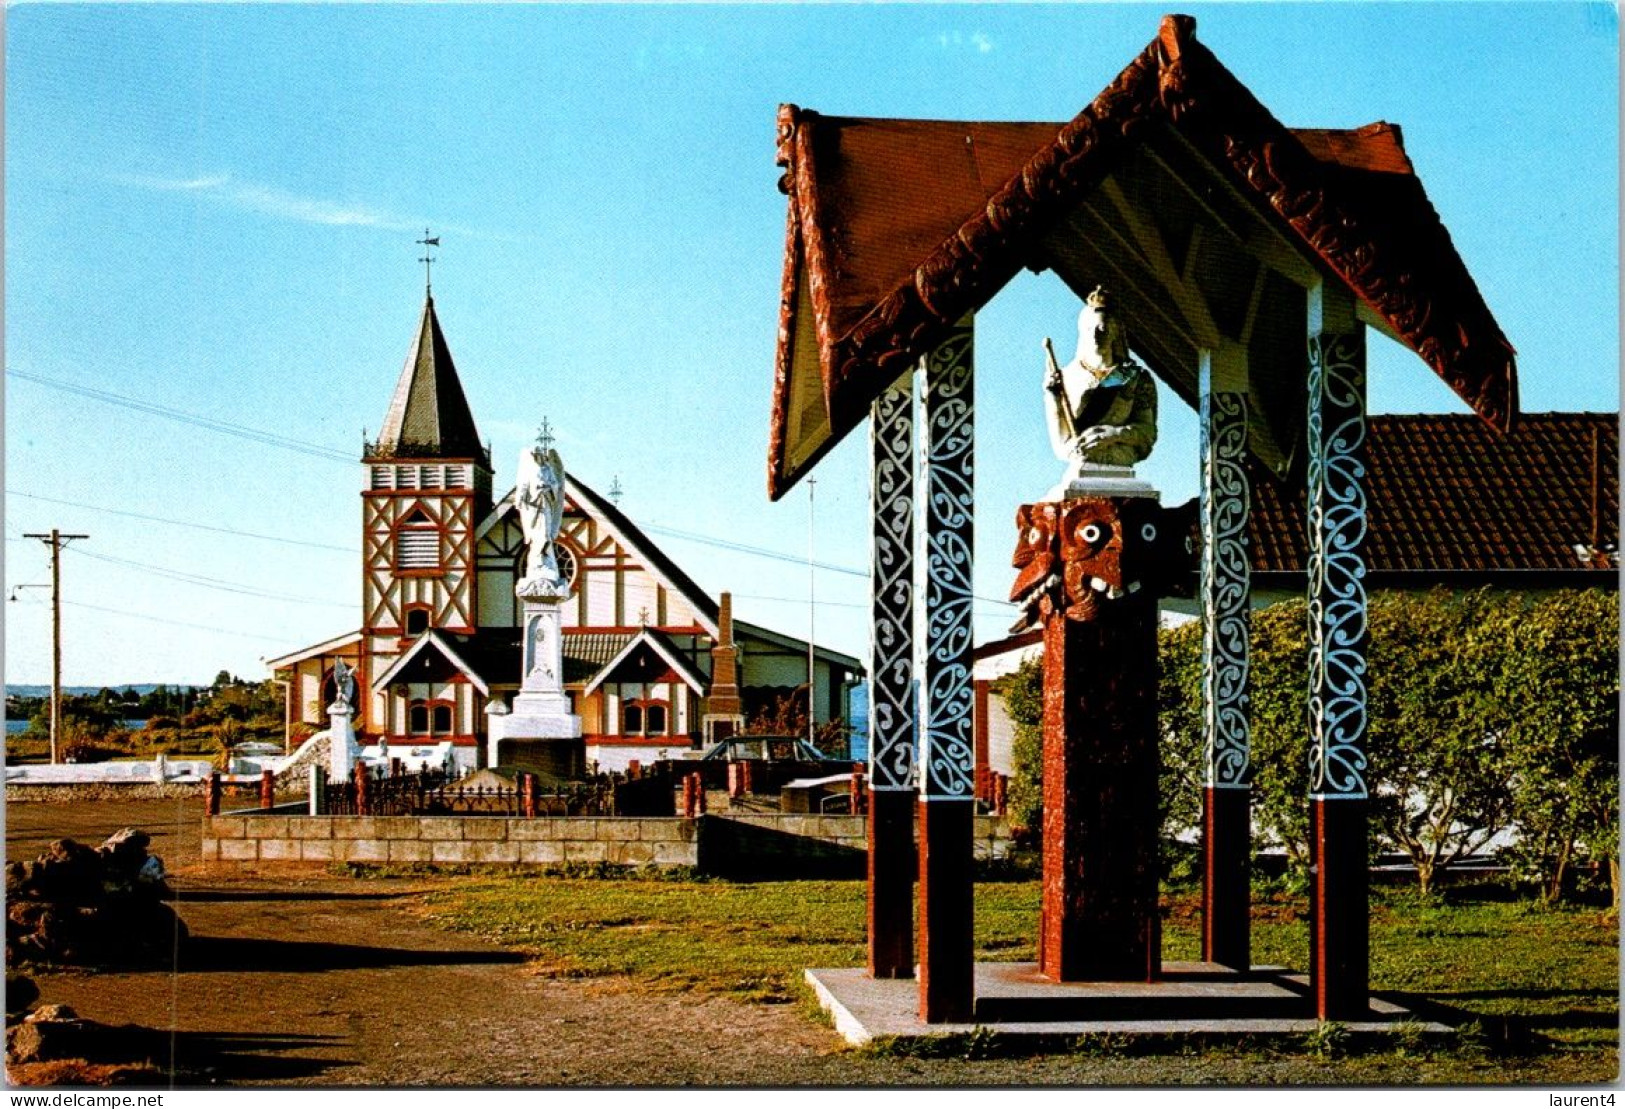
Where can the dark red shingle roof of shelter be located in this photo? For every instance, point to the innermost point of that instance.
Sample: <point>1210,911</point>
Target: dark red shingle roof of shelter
<point>898,228</point>
<point>1448,493</point>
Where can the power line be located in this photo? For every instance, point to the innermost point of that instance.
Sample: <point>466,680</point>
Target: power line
<point>764,552</point>
<point>178,623</point>
<point>212,583</point>
<point>192,419</point>
<point>186,523</point>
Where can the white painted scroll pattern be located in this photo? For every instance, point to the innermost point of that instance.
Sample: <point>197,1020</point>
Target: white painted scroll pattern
<point>1226,575</point>
<point>947,745</point>
<point>891,584</point>
<point>1337,597</point>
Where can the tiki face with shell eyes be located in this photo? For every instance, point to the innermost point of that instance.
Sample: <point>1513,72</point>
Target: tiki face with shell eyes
<point>1083,555</point>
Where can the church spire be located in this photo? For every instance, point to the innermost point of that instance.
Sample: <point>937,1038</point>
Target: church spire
<point>429,416</point>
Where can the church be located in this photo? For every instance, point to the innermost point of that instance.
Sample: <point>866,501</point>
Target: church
<point>654,666</point>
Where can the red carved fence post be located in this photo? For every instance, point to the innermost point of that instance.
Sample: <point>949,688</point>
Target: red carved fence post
<point>267,790</point>
<point>211,794</point>
<point>363,790</point>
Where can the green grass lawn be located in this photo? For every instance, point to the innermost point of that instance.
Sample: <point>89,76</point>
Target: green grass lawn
<point>1535,990</point>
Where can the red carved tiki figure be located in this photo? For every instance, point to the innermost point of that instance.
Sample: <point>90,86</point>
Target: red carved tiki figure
<point>1090,571</point>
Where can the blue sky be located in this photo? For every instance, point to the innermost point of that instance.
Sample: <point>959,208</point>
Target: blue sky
<point>212,210</point>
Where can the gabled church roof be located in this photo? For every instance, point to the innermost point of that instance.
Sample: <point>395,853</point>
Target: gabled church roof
<point>898,228</point>
<point>431,658</point>
<point>429,416</point>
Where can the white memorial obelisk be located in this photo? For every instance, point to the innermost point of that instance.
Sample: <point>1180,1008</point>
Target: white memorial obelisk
<point>539,727</point>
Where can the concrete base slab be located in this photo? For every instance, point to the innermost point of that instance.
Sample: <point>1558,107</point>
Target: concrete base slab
<point>1012,999</point>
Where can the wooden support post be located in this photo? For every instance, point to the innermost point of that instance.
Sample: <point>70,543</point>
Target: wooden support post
<point>1226,650</point>
<point>943,660</point>
<point>1339,957</point>
<point>363,790</point>
<point>211,794</point>
<point>891,684</point>
<point>1099,920</point>
<point>267,790</point>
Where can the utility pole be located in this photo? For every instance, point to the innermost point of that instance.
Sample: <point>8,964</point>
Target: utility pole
<point>55,540</point>
<point>812,728</point>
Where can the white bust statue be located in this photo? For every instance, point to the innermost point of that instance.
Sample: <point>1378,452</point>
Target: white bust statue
<point>1101,407</point>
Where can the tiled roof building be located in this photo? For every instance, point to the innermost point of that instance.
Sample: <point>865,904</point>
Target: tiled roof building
<point>1453,501</point>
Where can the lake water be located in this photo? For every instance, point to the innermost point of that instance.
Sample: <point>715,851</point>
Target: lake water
<point>15,726</point>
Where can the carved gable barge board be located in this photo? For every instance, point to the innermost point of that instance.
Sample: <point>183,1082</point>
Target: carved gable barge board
<point>885,259</point>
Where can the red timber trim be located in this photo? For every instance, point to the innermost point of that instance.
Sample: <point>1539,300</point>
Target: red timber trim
<point>633,629</point>
<point>600,740</point>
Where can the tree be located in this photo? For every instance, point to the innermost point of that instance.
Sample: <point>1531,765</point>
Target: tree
<point>1437,725</point>
<point>1023,694</point>
<point>1278,712</point>
<point>1560,681</point>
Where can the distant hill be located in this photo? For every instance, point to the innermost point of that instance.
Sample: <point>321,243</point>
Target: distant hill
<point>142,688</point>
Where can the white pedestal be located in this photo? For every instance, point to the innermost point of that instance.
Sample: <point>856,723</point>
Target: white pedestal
<point>343,750</point>
<point>1090,479</point>
<point>541,709</point>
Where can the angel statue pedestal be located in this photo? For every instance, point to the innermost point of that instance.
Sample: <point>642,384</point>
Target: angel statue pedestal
<point>539,731</point>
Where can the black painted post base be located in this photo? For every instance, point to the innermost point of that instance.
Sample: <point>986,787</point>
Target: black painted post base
<point>1340,945</point>
<point>891,883</point>
<point>1226,877</point>
<point>947,904</point>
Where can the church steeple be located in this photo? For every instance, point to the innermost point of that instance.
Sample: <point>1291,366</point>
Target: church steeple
<point>429,416</point>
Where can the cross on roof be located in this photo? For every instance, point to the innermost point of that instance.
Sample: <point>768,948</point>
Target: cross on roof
<point>428,258</point>
<point>544,435</point>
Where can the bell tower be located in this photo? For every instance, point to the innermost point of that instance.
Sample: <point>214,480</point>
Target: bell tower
<point>427,485</point>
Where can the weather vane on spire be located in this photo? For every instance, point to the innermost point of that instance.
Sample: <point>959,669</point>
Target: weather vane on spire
<point>544,435</point>
<point>428,257</point>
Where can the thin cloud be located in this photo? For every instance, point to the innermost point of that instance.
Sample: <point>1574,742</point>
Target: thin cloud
<point>956,40</point>
<point>222,189</point>
<point>266,200</point>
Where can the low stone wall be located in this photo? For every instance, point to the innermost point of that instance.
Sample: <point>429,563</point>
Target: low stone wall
<point>541,841</point>
<point>751,844</point>
<point>71,793</point>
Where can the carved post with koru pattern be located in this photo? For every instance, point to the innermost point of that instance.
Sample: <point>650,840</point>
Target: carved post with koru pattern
<point>1339,950</point>
<point>1089,572</point>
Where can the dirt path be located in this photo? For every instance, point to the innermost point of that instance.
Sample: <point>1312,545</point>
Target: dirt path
<point>326,981</point>
<point>335,982</point>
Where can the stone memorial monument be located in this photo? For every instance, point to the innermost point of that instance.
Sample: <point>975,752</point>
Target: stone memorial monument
<point>1091,560</point>
<point>539,730</point>
<point>343,751</point>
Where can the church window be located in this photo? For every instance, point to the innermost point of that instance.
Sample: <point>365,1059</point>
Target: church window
<point>632,720</point>
<point>417,620</point>
<point>429,718</point>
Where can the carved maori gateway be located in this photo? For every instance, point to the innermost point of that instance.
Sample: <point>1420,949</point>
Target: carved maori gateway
<point>1248,284</point>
